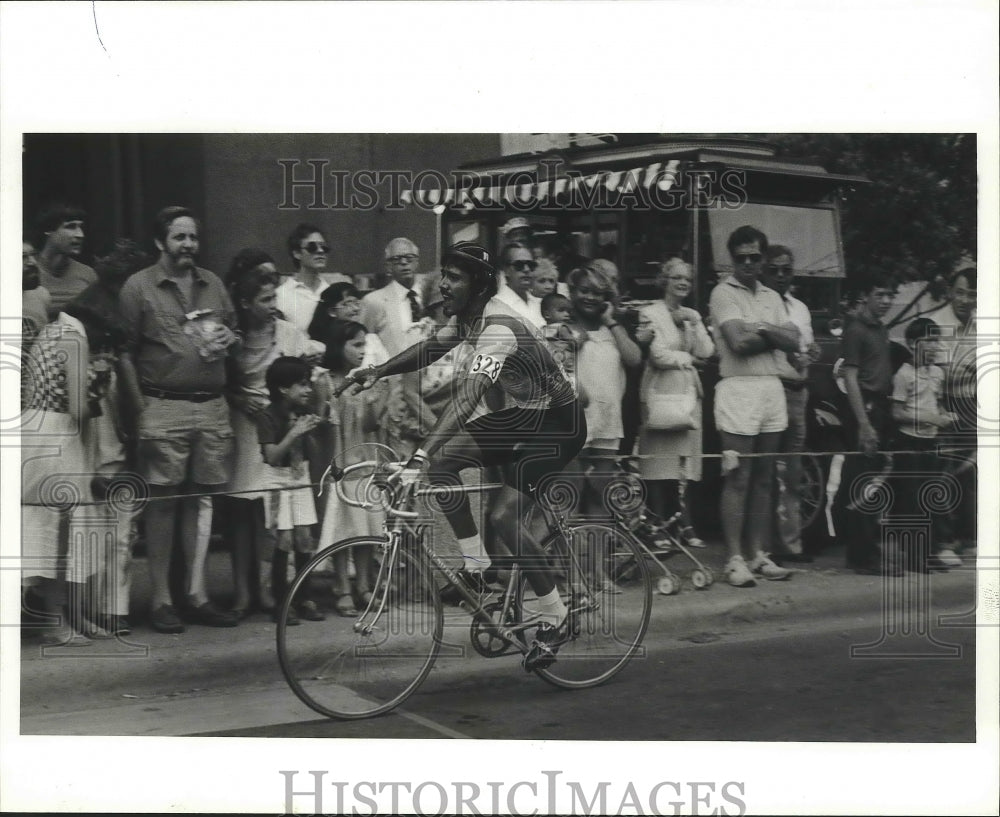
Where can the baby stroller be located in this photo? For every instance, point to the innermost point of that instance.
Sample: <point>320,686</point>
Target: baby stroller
<point>658,539</point>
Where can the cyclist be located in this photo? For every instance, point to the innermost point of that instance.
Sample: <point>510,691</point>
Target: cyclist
<point>538,431</point>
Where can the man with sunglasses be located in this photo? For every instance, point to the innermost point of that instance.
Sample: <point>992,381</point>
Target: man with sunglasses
<point>519,266</point>
<point>299,294</point>
<point>753,336</point>
<point>777,275</point>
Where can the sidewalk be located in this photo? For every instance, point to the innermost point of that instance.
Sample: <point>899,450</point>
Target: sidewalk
<point>148,665</point>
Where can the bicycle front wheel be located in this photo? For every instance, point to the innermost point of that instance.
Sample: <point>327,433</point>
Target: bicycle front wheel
<point>609,608</point>
<point>358,666</point>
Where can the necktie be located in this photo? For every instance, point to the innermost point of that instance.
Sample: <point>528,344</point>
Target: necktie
<point>411,296</point>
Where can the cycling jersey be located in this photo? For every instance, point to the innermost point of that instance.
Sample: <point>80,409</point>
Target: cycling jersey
<point>513,355</point>
<point>542,427</point>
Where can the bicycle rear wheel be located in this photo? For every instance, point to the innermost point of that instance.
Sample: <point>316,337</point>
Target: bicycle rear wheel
<point>608,618</point>
<point>363,665</point>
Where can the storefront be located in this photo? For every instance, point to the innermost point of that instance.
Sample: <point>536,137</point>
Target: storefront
<point>639,199</point>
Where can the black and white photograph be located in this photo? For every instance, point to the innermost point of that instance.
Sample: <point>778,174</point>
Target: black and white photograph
<point>346,420</point>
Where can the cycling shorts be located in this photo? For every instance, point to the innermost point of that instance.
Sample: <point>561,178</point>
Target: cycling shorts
<point>527,444</point>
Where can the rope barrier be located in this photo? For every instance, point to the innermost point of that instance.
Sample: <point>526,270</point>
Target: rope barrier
<point>143,499</point>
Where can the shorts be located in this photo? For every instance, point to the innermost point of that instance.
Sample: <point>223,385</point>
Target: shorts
<point>288,509</point>
<point>750,405</point>
<point>181,441</point>
<point>527,444</point>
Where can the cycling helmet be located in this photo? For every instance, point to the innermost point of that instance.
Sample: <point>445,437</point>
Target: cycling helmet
<point>474,260</point>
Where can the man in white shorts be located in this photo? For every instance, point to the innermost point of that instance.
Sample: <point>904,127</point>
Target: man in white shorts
<point>753,332</point>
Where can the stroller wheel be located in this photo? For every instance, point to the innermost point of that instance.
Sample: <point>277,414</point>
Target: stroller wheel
<point>701,579</point>
<point>668,585</point>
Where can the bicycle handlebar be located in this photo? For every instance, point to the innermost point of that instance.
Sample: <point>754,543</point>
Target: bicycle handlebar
<point>391,510</point>
<point>338,476</point>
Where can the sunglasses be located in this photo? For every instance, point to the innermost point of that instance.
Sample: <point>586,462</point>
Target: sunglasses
<point>776,269</point>
<point>315,247</point>
<point>748,258</point>
<point>522,266</point>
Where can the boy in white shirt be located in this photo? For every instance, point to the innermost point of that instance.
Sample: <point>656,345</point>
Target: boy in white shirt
<point>917,395</point>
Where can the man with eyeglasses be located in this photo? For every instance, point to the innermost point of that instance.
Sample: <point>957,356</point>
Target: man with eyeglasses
<point>394,311</point>
<point>753,336</point>
<point>519,265</point>
<point>778,273</point>
<point>299,294</point>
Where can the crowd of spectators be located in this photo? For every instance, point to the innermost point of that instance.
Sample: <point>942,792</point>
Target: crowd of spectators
<point>217,395</point>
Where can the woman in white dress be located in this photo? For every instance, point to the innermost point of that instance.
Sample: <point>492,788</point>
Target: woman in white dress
<point>677,341</point>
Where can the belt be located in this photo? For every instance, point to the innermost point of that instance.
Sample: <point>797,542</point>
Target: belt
<point>190,396</point>
<point>794,385</point>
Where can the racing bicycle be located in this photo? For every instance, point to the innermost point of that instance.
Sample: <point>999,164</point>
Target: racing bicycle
<point>367,664</point>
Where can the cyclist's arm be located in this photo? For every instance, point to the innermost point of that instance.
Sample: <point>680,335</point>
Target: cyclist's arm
<point>466,397</point>
<point>421,354</point>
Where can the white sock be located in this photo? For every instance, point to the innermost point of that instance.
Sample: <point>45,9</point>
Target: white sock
<point>551,608</point>
<point>475,555</point>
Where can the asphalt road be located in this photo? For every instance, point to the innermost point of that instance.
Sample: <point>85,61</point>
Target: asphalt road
<point>793,683</point>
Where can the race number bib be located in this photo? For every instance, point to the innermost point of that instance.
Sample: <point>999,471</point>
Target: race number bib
<point>487,365</point>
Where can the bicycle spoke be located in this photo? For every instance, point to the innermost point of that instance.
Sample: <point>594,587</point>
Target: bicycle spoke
<point>609,607</point>
<point>363,665</point>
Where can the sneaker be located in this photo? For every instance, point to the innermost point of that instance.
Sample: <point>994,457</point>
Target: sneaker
<point>474,582</point>
<point>548,639</point>
<point>310,612</point>
<point>164,620</point>
<point>738,574</point>
<point>949,558</point>
<point>763,566</point>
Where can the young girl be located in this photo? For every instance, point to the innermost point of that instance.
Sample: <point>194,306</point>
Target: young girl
<point>354,420</point>
<point>287,442</point>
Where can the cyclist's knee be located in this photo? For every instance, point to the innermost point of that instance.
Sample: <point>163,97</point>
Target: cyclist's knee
<point>503,512</point>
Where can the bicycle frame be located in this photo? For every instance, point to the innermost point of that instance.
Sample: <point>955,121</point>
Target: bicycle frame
<point>399,523</point>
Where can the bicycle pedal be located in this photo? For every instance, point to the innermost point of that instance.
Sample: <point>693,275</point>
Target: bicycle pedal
<point>539,656</point>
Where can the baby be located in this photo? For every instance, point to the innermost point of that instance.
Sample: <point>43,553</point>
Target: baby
<point>563,339</point>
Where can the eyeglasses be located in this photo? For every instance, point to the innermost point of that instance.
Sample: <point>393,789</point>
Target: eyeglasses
<point>776,269</point>
<point>315,247</point>
<point>521,266</point>
<point>747,258</point>
<point>407,258</point>
<point>685,278</point>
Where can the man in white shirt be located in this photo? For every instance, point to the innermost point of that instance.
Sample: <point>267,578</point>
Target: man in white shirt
<point>299,294</point>
<point>957,320</point>
<point>777,275</point>
<point>518,266</point>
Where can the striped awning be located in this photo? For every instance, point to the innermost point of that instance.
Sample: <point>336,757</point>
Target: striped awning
<point>659,174</point>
